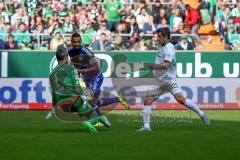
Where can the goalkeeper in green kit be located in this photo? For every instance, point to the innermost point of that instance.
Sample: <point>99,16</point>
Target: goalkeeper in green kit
<point>69,95</point>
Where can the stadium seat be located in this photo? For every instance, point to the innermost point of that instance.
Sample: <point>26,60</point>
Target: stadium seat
<point>207,29</point>
<point>192,3</point>
<point>216,44</point>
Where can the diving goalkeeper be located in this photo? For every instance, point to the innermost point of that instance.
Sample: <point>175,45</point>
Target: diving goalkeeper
<point>67,93</point>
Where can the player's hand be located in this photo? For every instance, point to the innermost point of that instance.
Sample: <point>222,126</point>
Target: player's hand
<point>80,71</point>
<point>153,66</point>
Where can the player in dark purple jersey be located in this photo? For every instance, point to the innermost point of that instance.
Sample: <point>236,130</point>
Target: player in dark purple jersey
<point>86,64</point>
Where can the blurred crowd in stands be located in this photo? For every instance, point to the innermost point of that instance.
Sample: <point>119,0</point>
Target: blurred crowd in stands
<point>114,24</point>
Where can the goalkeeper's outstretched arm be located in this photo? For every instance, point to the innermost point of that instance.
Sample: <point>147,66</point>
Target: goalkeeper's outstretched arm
<point>54,105</point>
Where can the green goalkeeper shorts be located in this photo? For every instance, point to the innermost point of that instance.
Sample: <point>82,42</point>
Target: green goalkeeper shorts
<point>81,108</point>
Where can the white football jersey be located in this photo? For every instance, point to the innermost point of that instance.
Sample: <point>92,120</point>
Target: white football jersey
<point>166,53</point>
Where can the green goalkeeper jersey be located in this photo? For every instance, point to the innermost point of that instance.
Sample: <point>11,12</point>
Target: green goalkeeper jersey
<point>64,83</point>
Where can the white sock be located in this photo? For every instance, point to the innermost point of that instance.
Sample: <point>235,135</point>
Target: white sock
<point>146,116</point>
<point>53,110</point>
<point>191,105</point>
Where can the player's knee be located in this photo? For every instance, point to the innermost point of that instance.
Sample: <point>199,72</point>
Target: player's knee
<point>180,99</point>
<point>148,100</point>
<point>96,94</point>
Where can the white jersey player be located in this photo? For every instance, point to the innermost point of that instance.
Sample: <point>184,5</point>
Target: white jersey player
<point>165,74</point>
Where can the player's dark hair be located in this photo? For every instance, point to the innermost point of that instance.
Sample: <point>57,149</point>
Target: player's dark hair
<point>174,40</point>
<point>165,31</point>
<point>61,52</point>
<point>75,35</point>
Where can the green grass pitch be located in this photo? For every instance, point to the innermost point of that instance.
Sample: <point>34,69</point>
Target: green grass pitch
<point>27,135</point>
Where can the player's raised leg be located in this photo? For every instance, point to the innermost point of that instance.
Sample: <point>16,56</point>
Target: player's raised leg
<point>119,99</point>
<point>123,101</point>
<point>191,105</point>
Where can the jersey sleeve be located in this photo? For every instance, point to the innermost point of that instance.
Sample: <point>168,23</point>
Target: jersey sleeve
<point>54,97</point>
<point>91,60</point>
<point>87,51</point>
<point>169,53</point>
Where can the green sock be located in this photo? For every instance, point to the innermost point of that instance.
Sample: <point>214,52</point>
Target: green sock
<point>94,121</point>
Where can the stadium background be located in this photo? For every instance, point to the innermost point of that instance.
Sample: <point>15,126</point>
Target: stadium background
<point>123,25</point>
<point>212,84</point>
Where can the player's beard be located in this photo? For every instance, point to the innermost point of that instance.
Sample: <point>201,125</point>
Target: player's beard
<point>76,47</point>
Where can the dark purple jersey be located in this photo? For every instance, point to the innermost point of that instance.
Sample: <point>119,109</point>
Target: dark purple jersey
<point>84,58</point>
